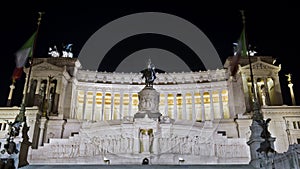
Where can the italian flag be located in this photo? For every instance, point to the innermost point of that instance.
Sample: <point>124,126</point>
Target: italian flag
<point>21,56</point>
<point>241,51</point>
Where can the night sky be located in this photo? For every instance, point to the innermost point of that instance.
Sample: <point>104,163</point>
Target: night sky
<point>271,27</point>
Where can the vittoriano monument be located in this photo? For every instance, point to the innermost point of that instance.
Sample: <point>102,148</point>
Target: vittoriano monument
<point>150,121</point>
<point>148,96</point>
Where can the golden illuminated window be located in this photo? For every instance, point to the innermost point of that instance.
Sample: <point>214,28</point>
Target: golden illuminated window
<point>135,100</point>
<point>224,96</point>
<point>188,98</point>
<point>117,99</point>
<point>162,99</point>
<point>125,99</point>
<point>197,98</point>
<point>170,99</point>
<point>206,97</point>
<point>98,98</point>
<point>179,99</point>
<point>215,96</point>
<point>107,98</point>
<point>80,96</point>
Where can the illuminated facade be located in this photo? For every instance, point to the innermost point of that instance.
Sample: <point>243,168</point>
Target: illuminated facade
<point>86,115</point>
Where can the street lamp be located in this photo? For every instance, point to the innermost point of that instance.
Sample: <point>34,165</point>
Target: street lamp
<point>181,160</point>
<point>106,160</point>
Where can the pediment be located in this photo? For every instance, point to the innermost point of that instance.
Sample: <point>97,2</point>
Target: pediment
<point>45,66</point>
<point>260,65</point>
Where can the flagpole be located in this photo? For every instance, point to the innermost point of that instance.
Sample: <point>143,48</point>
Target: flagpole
<point>256,107</point>
<point>21,115</point>
<point>25,144</point>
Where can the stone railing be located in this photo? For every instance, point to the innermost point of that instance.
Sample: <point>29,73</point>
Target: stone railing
<point>162,78</point>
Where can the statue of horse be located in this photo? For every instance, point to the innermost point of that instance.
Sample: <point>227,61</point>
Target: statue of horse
<point>149,74</point>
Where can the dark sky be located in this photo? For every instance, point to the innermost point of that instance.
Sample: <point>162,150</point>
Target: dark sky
<point>271,27</point>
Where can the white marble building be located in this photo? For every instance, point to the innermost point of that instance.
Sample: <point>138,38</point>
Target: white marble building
<point>89,116</point>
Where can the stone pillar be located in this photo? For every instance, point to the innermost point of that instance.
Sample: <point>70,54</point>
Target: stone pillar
<point>277,92</point>
<point>212,113</point>
<point>246,92</point>
<point>48,97</point>
<point>103,104</point>
<point>43,127</point>
<point>255,143</point>
<point>290,85</point>
<point>136,142</point>
<point>155,144</point>
<point>12,87</point>
<point>166,104</point>
<point>24,89</point>
<point>221,104</point>
<point>94,104</point>
<point>74,102</point>
<point>202,106</point>
<point>112,105</point>
<point>84,105</point>
<point>267,95</point>
<point>175,105</point>
<point>130,104</point>
<point>62,96</point>
<point>121,105</point>
<point>184,114</point>
<point>193,106</point>
<point>38,86</point>
<point>256,89</point>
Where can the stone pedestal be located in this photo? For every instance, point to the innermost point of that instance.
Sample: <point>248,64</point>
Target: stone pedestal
<point>148,103</point>
<point>43,123</point>
<point>146,122</point>
<point>255,144</point>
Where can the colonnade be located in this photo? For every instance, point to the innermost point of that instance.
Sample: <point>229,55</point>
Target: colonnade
<point>196,105</point>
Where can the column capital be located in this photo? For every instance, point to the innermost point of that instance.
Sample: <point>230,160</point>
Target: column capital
<point>290,85</point>
<point>12,86</point>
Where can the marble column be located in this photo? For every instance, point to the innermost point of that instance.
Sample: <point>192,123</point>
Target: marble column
<point>155,145</point>
<point>184,114</point>
<point>193,106</point>
<point>38,85</point>
<point>256,89</point>
<point>166,104</point>
<point>84,105</point>
<point>74,98</point>
<point>221,104</point>
<point>74,102</point>
<point>202,106</point>
<point>130,104</point>
<point>267,94</point>
<point>93,106</point>
<point>12,87</point>
<point>175,106</point>
<point>136,142</point>
<point>277,92</point>
<point>112,105</point>
<point>43,124</point>
<point>121,105</point>
<point>290,85</point>
<point>212,113</point>
<point>103,104</point>
<point>25,87</point>
<point>61,103</point>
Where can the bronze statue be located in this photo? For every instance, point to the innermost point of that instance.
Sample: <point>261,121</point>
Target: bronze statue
<point>289,77</point>
<point>265,146</point>
<point>149,74</point>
